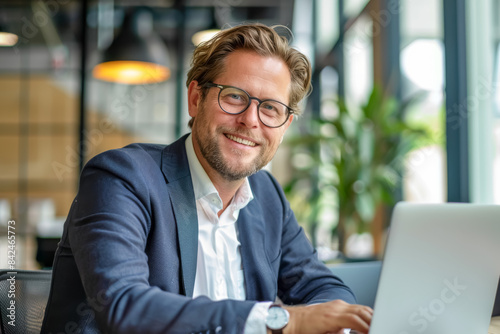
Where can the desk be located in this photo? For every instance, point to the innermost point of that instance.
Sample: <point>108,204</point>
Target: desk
<point>494,326</point>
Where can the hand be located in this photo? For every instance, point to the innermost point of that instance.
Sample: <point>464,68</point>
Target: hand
<point>330,317</point>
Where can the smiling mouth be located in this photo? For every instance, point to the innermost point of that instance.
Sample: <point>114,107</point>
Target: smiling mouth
<point>241,140</point>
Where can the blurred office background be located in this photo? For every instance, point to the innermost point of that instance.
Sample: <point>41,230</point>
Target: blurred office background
<point>430,131</point>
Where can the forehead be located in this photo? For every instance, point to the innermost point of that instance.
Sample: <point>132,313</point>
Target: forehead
<point>264,76</point>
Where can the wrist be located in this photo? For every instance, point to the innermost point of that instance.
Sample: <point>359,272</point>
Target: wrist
<point>294,313</point>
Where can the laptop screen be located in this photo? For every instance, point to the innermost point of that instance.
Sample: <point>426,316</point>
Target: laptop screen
<point>440,273</point>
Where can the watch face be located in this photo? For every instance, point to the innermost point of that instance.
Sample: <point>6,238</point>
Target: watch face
<point>277,318</point>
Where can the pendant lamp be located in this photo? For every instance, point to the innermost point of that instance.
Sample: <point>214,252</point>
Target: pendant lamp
<point>203,36</point>
<point>137,55</point>
<point>7,38</point>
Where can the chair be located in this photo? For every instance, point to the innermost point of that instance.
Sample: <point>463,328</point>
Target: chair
<point>30,291</point>
<point>361,277</point>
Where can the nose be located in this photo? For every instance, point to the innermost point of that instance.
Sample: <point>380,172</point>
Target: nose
<point>250,117</point>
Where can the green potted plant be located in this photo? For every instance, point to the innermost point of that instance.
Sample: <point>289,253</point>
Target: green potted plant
<point>352,164</point>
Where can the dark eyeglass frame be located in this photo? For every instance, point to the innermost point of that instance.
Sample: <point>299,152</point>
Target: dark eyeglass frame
<point>290,111</point>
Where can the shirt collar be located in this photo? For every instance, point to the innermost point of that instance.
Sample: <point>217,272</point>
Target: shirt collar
<point>203,186</point>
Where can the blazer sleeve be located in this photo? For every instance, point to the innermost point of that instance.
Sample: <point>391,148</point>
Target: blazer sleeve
<point>302,277</point>
<point>108,230</point>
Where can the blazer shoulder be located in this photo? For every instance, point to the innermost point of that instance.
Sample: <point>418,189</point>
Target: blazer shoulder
<point>135,152</point>
<point>144,150</point>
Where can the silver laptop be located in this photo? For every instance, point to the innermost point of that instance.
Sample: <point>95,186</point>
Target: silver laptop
<point>440,271</point>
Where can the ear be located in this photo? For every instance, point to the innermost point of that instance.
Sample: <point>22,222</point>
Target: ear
<point>194,98</point>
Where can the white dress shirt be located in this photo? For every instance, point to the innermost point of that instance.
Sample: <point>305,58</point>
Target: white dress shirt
<point>219,271</point>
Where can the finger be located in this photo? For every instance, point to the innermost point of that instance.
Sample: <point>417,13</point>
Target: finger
<point>366,314</point>
<point>368,309</point>
<point>351,320</point>
<point>365,308</point>
<point>359,318</point>
<point>344,315</point>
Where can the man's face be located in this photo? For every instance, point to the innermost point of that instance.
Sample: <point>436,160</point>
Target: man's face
<point>236,146</point>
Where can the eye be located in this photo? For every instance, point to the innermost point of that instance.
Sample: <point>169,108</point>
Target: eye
<point>234,96</point>
<point>270,108</point>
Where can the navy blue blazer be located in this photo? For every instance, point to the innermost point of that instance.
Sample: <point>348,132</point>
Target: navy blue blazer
<point>126,262</point>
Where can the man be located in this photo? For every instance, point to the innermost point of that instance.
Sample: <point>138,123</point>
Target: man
<point>192,237</point>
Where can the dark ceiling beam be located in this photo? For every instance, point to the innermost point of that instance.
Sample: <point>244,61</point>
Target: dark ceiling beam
<point>168,3</point>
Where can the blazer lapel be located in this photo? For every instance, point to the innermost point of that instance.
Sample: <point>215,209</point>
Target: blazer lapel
<point>175,168</point>
<point>260,283</point>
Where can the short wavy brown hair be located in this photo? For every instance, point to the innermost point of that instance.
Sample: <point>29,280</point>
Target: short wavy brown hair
<point>208,58</point>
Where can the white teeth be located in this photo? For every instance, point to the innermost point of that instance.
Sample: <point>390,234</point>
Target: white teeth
<point>240,140</point>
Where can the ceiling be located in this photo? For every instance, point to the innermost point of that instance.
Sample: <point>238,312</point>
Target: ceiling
<point>50,31</point>
<point>19,16</point>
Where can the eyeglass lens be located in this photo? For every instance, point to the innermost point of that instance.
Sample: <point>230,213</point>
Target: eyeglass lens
<point>234,101</point>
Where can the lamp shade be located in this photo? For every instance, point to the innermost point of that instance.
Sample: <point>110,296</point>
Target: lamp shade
<point>137,55</point>
<point>203,36</point>
<point>7,38</point>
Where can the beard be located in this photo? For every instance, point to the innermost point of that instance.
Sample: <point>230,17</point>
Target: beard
<point>211,151</point>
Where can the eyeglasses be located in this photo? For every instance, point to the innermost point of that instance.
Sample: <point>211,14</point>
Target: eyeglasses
<point>234,101</point>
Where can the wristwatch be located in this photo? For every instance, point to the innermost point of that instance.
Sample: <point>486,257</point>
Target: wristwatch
<point>277,319</point>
